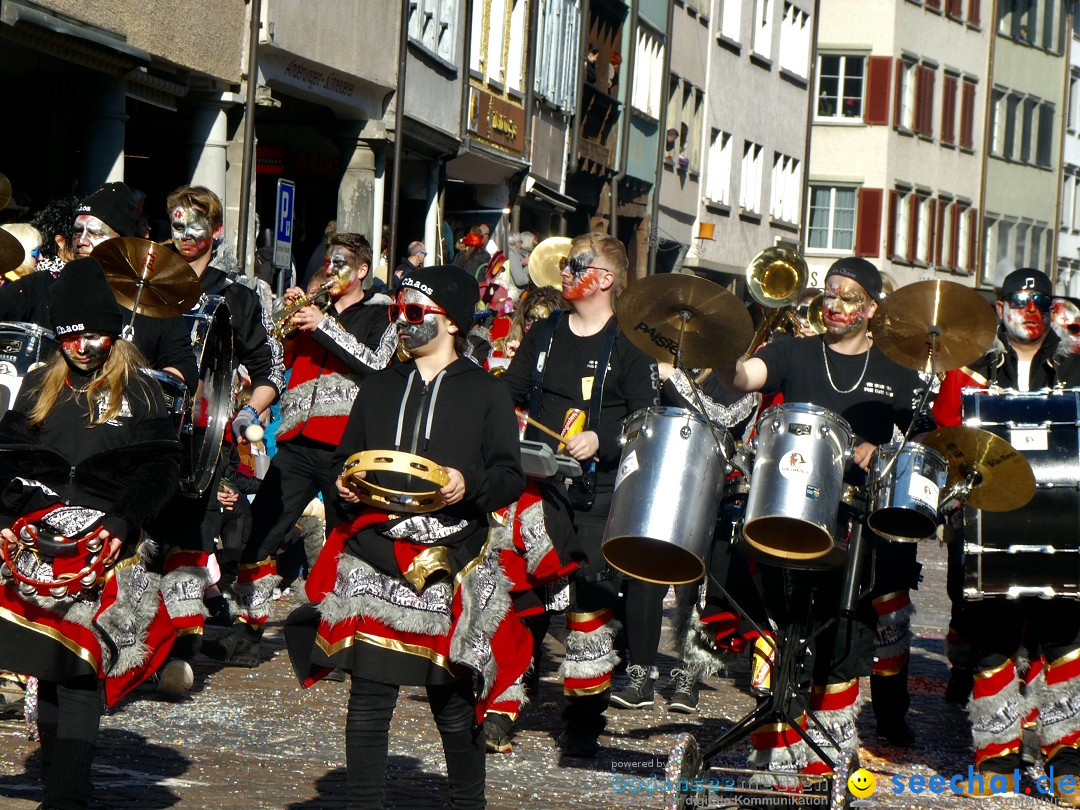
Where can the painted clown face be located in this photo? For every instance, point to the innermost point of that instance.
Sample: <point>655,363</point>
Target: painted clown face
<point>89,233</point>
<point>1024,322</point>
<point>1065,321</point>
<point>344,269</point>
<point>581,277</point>
<point>87,351</point>
<point>192,232</point>
<point>417,335</point>
<point>846,306</point>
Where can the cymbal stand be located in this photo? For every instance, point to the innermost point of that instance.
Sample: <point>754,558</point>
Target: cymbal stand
<point>684,318</point>
<point>128,331</point>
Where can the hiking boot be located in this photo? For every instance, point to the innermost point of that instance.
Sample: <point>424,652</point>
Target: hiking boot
<point>685,697</point>
<point>639,692</point>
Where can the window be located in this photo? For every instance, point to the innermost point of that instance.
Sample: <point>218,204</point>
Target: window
<point>1045,139</point>
<point>1002,238</point>
<point>945,248</point>
<point>840,87</point>
<point>948,109</point>
<point>648,73</point>
<point>973,12</point>
<point>718,169</point>
<point>924,100</point>
<point>750,185</point>
<point>965,227</point>
<point>832,218</point>
<point>900,236</point>
<point>1038,239</point>
<point>763,15</point>
<point>1028,122</point>
<point>558,23</point>
<point>1049,30</point>
<point>1068,190</point>
<point>731,19</point>
<point>433,26</point>
<point>924,212</point>
<point>497,20</point>
<point>905,94</point>
<point>515,52</point>
<point>1020,244</point>
<point>476,33</point>
<point>784,193</point>
<point>795,40</point>
<point>685,108</point>
<point>967,115</point>
<point>954,8</point>
<point>1074,102</point>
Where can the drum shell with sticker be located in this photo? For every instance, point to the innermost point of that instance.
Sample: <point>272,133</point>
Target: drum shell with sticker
<point>666,497</point>
<point>796,483</point>
<point>905,500</point>
<point>23,347</point>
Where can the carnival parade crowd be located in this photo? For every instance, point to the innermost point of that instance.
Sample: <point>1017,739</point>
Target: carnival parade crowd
<point>183,445</point>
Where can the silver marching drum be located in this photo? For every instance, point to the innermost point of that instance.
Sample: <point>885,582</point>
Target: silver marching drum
<point>23,347</point>
<point>904,502</point>
<point>796,486</point>
<point>666,497</point>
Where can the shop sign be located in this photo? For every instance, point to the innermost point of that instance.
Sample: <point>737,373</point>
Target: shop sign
<point>496,120</point>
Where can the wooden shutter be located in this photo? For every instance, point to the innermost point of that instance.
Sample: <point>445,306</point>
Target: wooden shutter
<point>973,12</point>
<point>954,248</point>
<point>938,248</point>
<point>948,110</point>
<point>913,227</point>
<point>924,100</point>
<point>973,240</point>
<point>890,235</point>
<point>878,76</point>
<point>967,116</point>
<point>931,230</point>
<point>868,236</point>
<point>933,3</point>
<point>954,8</point>
<point>898,96</point>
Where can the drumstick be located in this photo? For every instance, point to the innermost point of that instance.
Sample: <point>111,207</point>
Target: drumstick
<point>546,430</point>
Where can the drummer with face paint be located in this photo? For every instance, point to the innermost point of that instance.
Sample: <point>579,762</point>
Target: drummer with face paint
<point>333,351</point>
<point>843,372</point>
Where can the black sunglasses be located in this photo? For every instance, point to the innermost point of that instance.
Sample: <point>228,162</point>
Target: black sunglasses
<point>1020,300</point>
<point>577,265</point>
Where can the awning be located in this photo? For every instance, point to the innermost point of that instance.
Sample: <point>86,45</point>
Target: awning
<point>69,39</point>
<point>535,187</point>
<point>480,166</point>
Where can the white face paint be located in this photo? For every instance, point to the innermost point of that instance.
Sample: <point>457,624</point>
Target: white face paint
<point>417,335</point>
<point>89,233</point>
<point>1065,320</point>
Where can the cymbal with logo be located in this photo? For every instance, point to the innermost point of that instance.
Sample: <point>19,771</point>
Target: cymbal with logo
<point>908,319</point>
<point>714,325</point>
<point>11,252</point>
<point>1002,477</point>
<point>545,261</point>
<point>163,282</point>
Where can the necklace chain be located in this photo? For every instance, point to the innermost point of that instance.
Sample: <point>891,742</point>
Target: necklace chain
<point>79,390</point>
<point>828,372</point>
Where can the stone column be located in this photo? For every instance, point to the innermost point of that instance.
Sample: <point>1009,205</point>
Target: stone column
<point>356,192</point>
<point>104,139</point>
<point>431,218</point>
<point>208,142</point>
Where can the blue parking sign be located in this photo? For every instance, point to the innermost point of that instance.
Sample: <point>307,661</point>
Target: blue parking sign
<point>283,223</point>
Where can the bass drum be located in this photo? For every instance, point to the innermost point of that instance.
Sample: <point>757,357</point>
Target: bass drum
<point>208,411</point>
<point>23,347</point>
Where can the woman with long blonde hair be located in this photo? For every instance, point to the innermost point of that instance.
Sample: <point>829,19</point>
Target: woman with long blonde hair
<point>87,454</point>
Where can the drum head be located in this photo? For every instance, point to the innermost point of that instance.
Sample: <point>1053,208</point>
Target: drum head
<point>902,525</point>
<point>211,407</point>
<point>652,560</point>
<point>787,538</point>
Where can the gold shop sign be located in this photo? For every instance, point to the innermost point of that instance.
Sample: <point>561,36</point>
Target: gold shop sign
<point>496,121</point>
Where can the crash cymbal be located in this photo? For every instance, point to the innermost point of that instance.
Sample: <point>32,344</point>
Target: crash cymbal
<point>169,285</point>
<point>965,322</point>
<point>5,191</point>
<point>545,261</point>
<point>1003,477</point>
<point>11,252</point>
<point>715,324</point>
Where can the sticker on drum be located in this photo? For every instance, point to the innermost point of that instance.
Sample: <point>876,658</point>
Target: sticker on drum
<point>1029,439</point>
<point>923,490</point>
<point>628,467</point>
<point>795,465</point>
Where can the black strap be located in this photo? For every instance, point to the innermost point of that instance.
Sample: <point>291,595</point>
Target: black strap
<point>546,329</point>
<point>610,331</point>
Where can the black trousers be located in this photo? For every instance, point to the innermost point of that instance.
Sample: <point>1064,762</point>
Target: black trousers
<point>69,714</point>
<point>298,471</point>
<point>367,739</point>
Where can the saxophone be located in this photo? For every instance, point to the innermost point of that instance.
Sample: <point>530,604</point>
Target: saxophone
<point>283,325</point>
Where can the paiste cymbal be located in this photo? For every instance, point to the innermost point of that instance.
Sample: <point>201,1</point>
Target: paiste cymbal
<point>11,252</point>
<point>5,192</point>
<point>717,327</point>
<point>545,259</point>
<point>1004,480</point>
<point>169,285</point>
<point>903,323</point>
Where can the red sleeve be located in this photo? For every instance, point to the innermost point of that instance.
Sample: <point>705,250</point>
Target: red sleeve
<point>947,410</point>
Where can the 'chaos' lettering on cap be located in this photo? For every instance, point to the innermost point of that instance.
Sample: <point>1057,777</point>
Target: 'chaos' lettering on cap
<point>416,285</point>
<point>67,330</point>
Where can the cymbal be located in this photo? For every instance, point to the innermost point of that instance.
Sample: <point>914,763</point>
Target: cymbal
<point>902,326</point>
<point>544,261</point>
<point>11,252</point>
<point>1004,480</point>
<point>169,285</point>
<point>716,330</point>
<point>5,192</point>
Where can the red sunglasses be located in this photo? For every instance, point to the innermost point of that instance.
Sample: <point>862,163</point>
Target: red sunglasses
<point>414,313</point>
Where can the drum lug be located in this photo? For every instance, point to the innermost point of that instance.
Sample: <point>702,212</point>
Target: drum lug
<point>776,425</point>
<point>685,431</point>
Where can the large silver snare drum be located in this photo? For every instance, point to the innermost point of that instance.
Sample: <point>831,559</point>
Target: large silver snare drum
<point>905,502</point>
<point>203,429</point>
<point>23,347</point>
<point>797,483</point>
<point>667,494</point>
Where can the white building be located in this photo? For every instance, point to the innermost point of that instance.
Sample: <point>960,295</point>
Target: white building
<point>1068,243</point>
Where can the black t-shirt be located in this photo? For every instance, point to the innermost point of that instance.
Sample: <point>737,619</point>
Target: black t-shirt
<point>886,395</point>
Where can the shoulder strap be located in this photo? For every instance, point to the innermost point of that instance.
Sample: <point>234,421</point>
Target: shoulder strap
<point>610,331</point>
<point>547,334</point>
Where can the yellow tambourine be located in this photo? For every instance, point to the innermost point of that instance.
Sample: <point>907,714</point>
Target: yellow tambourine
<point>395,461</point>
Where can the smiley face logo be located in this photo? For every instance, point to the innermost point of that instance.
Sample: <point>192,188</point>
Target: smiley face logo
<point>862,783</point>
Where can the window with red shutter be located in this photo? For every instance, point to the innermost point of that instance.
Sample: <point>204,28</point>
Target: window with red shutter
<point>939,242</point>
<point>920,99</point>
<point>973,240</point>
<point>878,79</point>
<point>913,227</point>
<point>898,98</point>
<point>930,208</point>
<point>933,3</point>
<point>890,235</point>
<point>967,115</point>
<point>954,247</point>
<point>868,238</point>
<point>928,101</point>
<point>973,12</point>
<point>954,8</point>
<point>948,110</point>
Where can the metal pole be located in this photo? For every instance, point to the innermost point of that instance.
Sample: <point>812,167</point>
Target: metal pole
<point>399,136</point>
<point>246,167</point>
<point>654,214</point>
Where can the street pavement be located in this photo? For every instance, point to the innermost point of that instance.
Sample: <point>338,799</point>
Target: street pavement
<point>255,739</point>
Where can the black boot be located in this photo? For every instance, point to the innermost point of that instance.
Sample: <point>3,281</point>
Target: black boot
<point>889,696</point>
<point>585,720</point>
<point>240,648</point>
<point>68,785</point>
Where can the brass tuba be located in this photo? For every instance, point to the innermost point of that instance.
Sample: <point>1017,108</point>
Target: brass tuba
<point>775,278</point>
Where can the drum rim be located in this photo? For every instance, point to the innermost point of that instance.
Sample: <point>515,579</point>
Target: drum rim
<point>28,326</point>
<point>665,410</point>
<point>920,449</point>
<point>806,407</point>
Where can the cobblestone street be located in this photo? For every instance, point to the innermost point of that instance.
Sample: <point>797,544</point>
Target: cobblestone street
<point>254,739</point>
